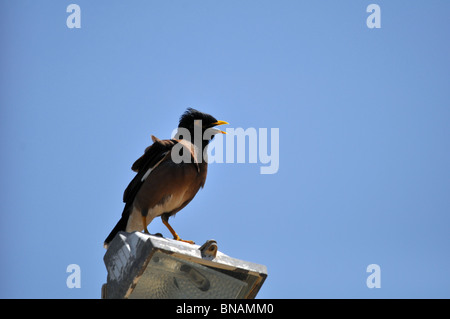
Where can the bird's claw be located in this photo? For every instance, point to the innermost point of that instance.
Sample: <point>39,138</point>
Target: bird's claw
<point>184,241</point>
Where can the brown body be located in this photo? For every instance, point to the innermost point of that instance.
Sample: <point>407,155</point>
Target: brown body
<point>161,187</point>
<point>168,188</point>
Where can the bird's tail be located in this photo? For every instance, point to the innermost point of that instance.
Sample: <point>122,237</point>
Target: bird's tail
<point>120,226</point>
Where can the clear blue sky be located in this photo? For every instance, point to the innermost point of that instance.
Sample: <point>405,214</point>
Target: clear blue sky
<point>363,116</point>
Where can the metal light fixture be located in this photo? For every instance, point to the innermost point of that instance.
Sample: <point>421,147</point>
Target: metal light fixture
<point>147,266</point>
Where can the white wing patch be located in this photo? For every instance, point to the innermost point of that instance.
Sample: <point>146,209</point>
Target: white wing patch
<point>151,169</point>
<point>146,174</point>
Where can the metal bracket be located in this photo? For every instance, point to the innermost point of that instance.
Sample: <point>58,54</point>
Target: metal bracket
<point>209,249</point>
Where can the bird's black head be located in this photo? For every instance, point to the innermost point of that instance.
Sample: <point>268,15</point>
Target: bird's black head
<point>191,115</point>
<point>192,118</point>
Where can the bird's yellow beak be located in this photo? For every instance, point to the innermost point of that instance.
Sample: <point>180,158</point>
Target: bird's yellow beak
<point>220,123</point>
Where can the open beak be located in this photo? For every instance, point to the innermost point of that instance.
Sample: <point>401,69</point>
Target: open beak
<point>219,123</point>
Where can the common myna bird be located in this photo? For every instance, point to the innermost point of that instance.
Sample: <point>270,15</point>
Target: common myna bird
<point>169,175</point>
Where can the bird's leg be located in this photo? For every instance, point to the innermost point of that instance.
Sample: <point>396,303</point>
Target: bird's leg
<point>165,221</point>
<point>144,223</point>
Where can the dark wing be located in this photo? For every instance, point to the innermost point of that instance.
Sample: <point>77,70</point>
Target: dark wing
<point>153,155</point>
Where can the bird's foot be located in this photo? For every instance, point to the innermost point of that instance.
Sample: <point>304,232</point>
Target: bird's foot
<point>184,241</point>
<point>155,234</point>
